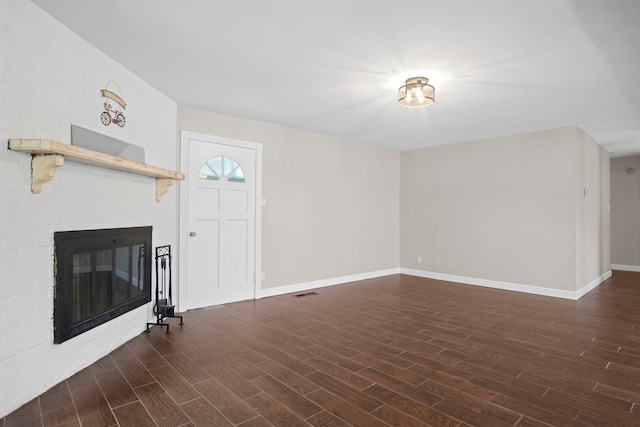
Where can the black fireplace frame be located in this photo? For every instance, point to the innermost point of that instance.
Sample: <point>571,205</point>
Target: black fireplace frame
<point>68,243</point>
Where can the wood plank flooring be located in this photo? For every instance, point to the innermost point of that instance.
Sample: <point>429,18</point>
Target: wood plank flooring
<point>397,350</point>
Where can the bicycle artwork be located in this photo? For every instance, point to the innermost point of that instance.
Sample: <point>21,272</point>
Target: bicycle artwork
<point>111,114</point>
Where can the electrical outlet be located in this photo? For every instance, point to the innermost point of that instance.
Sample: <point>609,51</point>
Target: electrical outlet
<point>419,259</point>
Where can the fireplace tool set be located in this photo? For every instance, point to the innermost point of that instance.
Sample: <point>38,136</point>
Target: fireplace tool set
<point>163,307</point>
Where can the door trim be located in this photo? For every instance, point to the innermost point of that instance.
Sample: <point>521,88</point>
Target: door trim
<point>183,232</point>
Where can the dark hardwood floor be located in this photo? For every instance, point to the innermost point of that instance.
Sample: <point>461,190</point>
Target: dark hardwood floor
<point>397,350</point>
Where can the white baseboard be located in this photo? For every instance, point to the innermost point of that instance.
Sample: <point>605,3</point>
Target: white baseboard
<point>592,285</point>
<point>537,290</point>
<point>634,268</point>
<point>305,286</point>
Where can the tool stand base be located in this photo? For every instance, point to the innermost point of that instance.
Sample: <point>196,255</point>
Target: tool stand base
<point>160,322</point>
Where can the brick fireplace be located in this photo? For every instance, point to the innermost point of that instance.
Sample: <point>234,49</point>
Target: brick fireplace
<point>43,101</point>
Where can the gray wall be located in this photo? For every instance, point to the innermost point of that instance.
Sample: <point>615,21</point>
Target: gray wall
<point>508,209</point>
<point>332,205</point>
<point>625,213</point>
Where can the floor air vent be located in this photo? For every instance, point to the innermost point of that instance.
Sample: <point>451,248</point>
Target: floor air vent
<point>306,294</point>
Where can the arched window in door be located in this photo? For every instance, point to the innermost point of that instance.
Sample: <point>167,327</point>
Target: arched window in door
<point>222,168</point>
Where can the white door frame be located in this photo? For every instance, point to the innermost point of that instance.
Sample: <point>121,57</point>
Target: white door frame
<point>183,231</point>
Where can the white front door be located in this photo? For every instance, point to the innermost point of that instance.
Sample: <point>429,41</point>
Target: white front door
<point>221,223</point>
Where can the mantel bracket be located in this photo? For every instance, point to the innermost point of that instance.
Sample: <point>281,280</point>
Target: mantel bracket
<point>43,169</point>
<point>162,187</point>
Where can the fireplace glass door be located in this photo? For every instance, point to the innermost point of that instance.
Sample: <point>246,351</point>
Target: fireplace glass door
<point>100,274</point>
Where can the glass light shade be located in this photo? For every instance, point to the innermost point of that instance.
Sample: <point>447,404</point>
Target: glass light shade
<point>416,92</point>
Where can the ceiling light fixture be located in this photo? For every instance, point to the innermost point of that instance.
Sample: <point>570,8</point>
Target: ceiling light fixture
<point>416,92</point>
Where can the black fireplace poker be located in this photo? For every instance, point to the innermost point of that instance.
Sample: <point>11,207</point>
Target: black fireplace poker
<point>163,307</point>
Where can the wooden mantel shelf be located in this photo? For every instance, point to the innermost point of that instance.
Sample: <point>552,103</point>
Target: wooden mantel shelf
<point>48,155</point>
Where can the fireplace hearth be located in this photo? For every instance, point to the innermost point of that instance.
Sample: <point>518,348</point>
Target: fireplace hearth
<point>99,275</point>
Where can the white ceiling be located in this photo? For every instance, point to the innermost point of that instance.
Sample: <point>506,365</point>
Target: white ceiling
<point>333,67</point>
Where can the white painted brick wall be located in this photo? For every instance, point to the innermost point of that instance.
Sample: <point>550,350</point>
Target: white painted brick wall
<point>50,79</point>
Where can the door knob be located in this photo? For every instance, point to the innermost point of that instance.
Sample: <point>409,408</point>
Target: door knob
<point>192,234</point>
